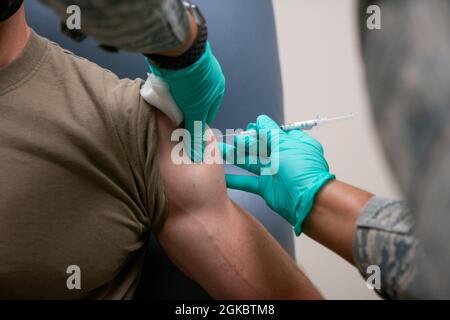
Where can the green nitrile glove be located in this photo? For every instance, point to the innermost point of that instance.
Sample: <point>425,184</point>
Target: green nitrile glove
<point>198,91</point>
<point>296,163</point>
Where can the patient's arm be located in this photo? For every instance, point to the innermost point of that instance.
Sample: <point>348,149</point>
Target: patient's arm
<point>215,242</point>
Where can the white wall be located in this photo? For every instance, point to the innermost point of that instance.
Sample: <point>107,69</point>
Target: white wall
<point>323,75</point>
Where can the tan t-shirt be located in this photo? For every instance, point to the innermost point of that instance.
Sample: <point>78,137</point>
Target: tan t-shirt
<point>79,177</point>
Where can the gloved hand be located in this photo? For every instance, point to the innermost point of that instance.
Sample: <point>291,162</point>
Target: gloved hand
<point>302,169</point>
<point>198,91</point>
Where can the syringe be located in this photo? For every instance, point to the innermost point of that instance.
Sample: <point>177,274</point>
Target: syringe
<point>300,125</point>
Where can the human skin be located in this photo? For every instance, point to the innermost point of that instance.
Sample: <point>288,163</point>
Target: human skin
<point>14,34</point>
<point>193,31</point>
<point>215,242</point>
<point>211,239</point>
<point>332,220</point>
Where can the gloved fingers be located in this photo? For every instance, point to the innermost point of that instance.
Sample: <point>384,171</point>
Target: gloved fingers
<point>269,132</point>
<point>213,111</point>
<point>226,150</point>
<point>238,158</point>
<point>261,144</point>
<point>194,138</point>
<point>243,183</point>
<point>265,122</point>
<point>251,126</point>
<point>306,139</point>
<point>247,143</point>
<point>219,91</point>
<point>297,134</point>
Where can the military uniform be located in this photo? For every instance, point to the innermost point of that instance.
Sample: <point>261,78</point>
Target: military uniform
<point>145,26</point>
<point>408,74</point>
<point>384,238</point>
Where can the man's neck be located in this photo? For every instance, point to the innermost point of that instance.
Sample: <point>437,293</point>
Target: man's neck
<point>14,34</point>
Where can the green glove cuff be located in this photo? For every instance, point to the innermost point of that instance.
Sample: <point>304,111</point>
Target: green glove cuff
<point>307,200</point>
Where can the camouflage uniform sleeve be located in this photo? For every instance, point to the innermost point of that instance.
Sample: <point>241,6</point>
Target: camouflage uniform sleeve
<point>383,237</point>
<point>145,26</point>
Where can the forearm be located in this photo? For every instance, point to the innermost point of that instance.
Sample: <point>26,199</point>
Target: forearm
<point>145,26</point>
<point>366,230</point>
<point>332,220</point>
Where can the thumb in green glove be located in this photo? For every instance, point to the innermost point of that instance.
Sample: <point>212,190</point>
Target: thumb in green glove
<point>302,169</point>
<point>198,91</point>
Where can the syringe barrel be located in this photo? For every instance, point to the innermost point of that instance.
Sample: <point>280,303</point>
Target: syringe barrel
<point>301,125</point>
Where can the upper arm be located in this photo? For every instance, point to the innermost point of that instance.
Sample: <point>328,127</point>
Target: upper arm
<point>215,242</point>
<point>189,186</point>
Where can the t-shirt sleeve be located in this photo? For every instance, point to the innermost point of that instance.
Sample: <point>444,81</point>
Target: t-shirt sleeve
<point>135,124</point>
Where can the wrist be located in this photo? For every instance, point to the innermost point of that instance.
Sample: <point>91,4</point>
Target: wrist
<point>191,37</point>
<point>307,199</point>
<point>191,51</point>
<point>332,220</point>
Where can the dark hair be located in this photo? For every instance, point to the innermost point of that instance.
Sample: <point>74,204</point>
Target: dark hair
<point>8,8</point>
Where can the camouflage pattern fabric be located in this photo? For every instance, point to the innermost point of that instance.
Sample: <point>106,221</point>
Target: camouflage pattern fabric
<point>384,238</point>
<point>145,26</point>
<point>408,75</point>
